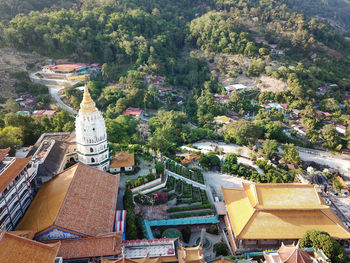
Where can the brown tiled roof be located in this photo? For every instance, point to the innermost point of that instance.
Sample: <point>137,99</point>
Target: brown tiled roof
<point>106,245</point>
<point>4,152</point>
<point>12,171</point>
<point>122,159</point>
<point>81,199</point>
<point>16,249</point>
<point>25,233</point>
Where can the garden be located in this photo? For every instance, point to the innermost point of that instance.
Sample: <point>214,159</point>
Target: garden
<point>193,173</point>
<point>182,199</point>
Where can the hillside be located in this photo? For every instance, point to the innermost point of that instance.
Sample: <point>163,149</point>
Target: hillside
<point>333,12</point>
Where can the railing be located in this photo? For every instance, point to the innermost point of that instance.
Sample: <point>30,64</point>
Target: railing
<point>7,161</point>
<point>3,213</point>
<point>14,209</point>
<point>26,204</point>
<point>147,185</point>
<point>17,217</point>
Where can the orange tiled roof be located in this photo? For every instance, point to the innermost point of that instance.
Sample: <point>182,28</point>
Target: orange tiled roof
<point>12,171</point>
<point>16,249</point>
<point>279,211</point>
<point>81,199</point>
<point>106,245</point>
<point>4,152</point>
<point>122,159</point>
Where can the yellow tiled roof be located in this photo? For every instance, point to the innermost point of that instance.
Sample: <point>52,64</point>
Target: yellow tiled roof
<point>279,211</point>
<point>190,254</point>
<point>43,211</point>
<point>222,119</point>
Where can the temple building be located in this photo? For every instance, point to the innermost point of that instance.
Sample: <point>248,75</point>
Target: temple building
<point>294,254</point>
<point>77,207</point>
<point>264,215</point>
<point>16,247</point>
<point>91,135</point>
<point>122,161</point>
<point>16,191</point>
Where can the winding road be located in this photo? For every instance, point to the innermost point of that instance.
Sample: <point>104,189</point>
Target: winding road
<point>53,90</point>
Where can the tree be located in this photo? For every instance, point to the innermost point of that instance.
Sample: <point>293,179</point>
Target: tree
<point>11,137</point>
<point>159,168</point>
<point>330,135</point>
<point>242,132</point>
<point>210,160</point>
<point>330,105</point>
<point>322,240</point>
<point>11,105</point>
<point>220,249</point>
<point>290,153</point>
<point>143,130</point>
<point>230,163</point>
<point>269,148</point>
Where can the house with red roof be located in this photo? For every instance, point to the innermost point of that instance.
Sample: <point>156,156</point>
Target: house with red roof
<point>221,98</point>
<point>133,112</point>
<point>47,113</point>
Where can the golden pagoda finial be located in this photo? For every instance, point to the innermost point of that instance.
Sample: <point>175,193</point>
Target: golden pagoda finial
<point>87,104</point>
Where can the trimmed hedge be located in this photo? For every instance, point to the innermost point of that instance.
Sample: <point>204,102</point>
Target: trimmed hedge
<point>186,208</point>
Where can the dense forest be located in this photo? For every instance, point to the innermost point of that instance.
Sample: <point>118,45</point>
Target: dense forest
<point>134,40</point>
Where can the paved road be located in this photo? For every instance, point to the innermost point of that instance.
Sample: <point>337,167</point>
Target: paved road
<point>339,161</point>
<point>53,90</point>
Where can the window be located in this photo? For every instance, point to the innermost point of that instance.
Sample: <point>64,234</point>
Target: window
<point>92,160</point>
<point>91,150</point>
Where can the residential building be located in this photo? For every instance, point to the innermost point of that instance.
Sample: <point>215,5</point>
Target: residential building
<point>16,191</point>
<point>47,113</point>
<point>133,112</point>
<point>221,98</point>
<point>16,248</point>
<point>91,135</point>
<point>301,130</point>
<point>122,161</point>
<point>236,87</point>
<point>341,129</point>
<point>264,215</point>
<point>276,106</point>
<point>222,120</point>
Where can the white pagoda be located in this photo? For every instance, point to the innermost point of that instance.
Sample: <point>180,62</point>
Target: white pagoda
<point>91,136</point>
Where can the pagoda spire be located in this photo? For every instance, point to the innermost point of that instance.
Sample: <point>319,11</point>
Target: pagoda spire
<point>87,105</point>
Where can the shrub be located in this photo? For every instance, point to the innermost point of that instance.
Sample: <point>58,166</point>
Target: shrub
<point>186,234</point>
<point>220,249</point>
<point>213,229</point>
